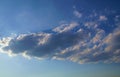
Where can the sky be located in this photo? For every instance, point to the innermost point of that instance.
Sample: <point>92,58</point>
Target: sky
<point>59,38</point>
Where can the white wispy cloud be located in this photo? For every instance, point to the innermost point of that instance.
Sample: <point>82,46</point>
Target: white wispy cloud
<point>77,14</point>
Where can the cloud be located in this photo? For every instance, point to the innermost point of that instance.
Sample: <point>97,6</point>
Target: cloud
<point>113,41</point>
<point>77,14</point>
<point>81,42</point>
<point>44,44</point>
<point>66,27</point>
<point>102,18</point>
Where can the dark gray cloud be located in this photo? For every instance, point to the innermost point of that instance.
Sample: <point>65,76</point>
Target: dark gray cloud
<point>44,44</point>
<point>116,41</point>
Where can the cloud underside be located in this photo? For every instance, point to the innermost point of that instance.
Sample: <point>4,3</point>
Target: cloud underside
<point>87,44</point>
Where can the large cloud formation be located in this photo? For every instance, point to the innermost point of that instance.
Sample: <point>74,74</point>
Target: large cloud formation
<point>81,42</point>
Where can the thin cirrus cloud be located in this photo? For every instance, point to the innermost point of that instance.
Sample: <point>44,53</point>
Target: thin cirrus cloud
<point>81,42</point>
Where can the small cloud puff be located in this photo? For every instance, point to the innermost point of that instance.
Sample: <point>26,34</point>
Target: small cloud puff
<point>77,14</point>
<point>102,18</point>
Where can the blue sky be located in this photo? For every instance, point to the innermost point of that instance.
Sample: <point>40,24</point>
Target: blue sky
<point>59,38</point>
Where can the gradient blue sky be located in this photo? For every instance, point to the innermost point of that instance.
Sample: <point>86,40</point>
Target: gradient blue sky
<point>75,20</point>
